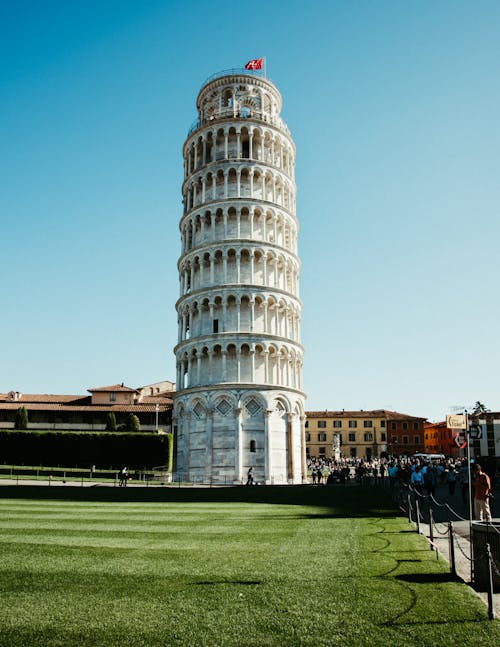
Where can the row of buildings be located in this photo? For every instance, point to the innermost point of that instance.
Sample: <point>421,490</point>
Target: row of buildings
<point>348,434</point>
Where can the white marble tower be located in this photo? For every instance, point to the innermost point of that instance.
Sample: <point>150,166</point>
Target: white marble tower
<point>239,399</point>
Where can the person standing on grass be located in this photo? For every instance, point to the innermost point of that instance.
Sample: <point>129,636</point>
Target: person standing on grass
<point>482,488</point>
<point>123,476</point>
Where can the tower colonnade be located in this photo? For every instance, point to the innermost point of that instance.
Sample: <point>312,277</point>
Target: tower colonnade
<point>226,311</point>
<point>240,363</point>
<point>238,265</point>
<point>246,220</point>
<point>239,181</point>
<point>235,141</point>
<point>239,401</point>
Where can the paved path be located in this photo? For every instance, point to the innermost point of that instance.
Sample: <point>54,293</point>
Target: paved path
<point>447,507</point>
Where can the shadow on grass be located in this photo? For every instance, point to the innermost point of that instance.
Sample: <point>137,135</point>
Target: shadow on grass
<point>237,582</point>
<point>427,578</point>
<point>334,501</point>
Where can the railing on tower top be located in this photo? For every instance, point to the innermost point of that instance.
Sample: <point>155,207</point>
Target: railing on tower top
<point>236,70</point>
<point>230,113</point>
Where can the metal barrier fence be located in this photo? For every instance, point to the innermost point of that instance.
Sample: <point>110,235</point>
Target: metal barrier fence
<point>484,562</point>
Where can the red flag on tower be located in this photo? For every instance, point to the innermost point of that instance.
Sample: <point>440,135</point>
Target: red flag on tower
<point>254,64</point>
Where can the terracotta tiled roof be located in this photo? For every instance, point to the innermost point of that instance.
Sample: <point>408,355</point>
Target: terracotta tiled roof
<point>25,398</point>
<point>113,388</point>
<point>55,406</point>
<point>156,399</point>
<point>374,413</point>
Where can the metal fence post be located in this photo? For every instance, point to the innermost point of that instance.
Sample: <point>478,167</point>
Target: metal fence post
<point>431,529</point>
<point>453,566</point>
<point>417,507</point>
<point>491,614</point>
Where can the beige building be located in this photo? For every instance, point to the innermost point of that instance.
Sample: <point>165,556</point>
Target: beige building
<point>152,404</point>
<point>362,433</point>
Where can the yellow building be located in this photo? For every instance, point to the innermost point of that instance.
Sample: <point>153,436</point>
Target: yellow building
<point>362,433</point>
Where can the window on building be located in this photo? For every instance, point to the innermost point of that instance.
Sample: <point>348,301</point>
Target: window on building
<point>352,438</point>
<point>382,423</point>
<point>393,425</point>
<point>405,425</point>
<point>405,440</point>
<point>353,452</point>
<point>253,446</point>
<point>367,424</point>
<point>322,451</point>
<point>337,424</point>
<point>308,437</point>
<point>394,439</point>
<point>415,425</point>
<point>322,437</point>
<point>216,326</point>
<point>353,424</point>
<point>321,424</point>
<point>382,437</point>
<point>112,397</point>
<point>416,440</point>
<point>307,424</point>
<point>368,437</point>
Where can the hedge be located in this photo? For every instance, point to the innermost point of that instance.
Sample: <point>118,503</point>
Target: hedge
<point>82,449</point>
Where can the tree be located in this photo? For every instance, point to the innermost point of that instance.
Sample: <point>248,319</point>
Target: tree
<point>111,422</point>
<point>479,408</point>
<point>21,421</point>
<point>133,423</point>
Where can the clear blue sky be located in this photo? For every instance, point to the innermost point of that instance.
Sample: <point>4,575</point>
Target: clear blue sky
<point>394,108</point>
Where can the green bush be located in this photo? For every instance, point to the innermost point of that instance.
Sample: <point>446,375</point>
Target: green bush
<point>111,421</point>
<point>132,423</point>
<point>102,449</point>
<point>21,421</point>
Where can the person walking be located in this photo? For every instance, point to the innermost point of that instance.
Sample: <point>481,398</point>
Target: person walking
<point>482,488</point>
<point>123,476</point>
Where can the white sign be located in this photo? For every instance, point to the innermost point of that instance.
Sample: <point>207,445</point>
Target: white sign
<point>460,440</point>
<point>456,421</point>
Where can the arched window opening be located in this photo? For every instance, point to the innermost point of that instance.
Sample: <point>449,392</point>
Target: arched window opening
<point>253,446</point>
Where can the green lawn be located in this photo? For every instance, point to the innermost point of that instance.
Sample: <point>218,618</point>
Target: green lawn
<point>242,566</point>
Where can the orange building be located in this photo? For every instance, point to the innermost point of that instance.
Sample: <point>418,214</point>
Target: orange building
<point>438,439</point>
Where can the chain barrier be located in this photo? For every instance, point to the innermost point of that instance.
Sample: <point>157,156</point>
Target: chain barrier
<point>468,557</point>
<point>437,529</point>
<point>407,497</point>
<point>440,505</point>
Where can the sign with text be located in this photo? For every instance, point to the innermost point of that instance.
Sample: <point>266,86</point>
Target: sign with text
<point>476,432</point>
<point>456,421</point>
<point>460,439</point>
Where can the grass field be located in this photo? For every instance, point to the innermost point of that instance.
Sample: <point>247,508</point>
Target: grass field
<point>242,566</point>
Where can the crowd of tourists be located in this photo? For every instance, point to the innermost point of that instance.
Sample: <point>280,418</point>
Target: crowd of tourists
<point>423,476</point>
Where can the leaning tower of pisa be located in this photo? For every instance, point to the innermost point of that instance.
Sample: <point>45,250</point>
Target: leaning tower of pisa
<point>239,401</point>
